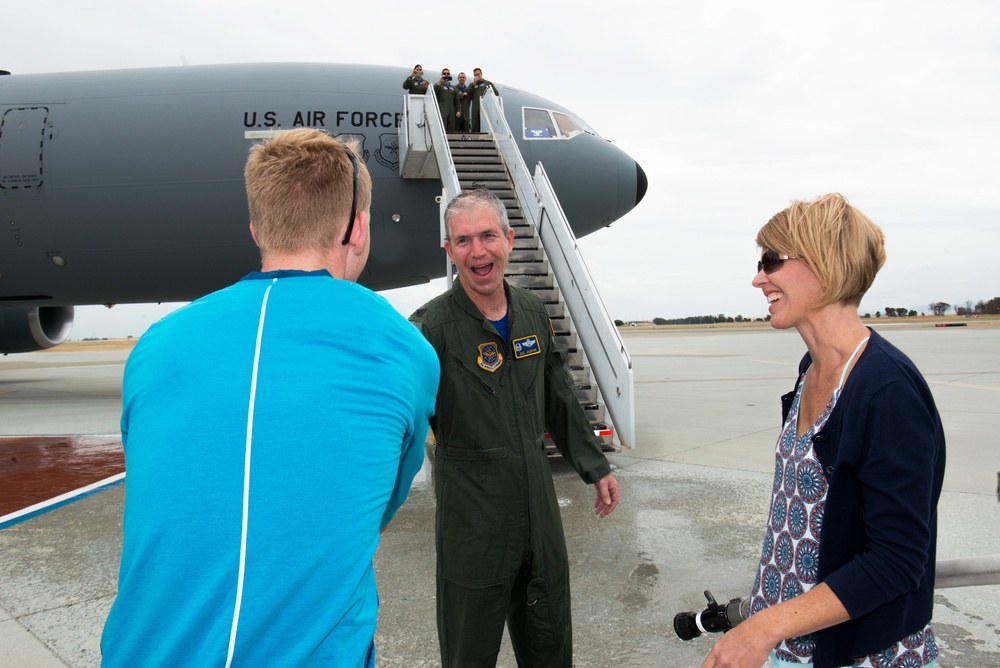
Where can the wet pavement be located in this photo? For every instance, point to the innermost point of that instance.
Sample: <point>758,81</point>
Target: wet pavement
<point>695,495</point>
<point>37,468</point>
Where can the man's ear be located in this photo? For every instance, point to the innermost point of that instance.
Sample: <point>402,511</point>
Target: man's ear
<point>360,229</point>
<point>253,234</point>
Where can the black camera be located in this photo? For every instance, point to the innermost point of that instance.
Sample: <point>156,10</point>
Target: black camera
<point>447,77</point>
<point>713,619</point>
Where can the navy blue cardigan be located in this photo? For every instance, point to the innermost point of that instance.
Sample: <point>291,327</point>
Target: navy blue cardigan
<point>883,453</point>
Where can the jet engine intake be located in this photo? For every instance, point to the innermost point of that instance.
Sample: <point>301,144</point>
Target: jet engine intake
<point>27,329</point>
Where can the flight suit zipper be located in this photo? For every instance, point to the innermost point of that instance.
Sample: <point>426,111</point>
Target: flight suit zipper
<point>475,375</point>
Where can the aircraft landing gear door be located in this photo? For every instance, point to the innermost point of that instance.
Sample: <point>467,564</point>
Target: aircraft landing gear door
<point>22,136</point>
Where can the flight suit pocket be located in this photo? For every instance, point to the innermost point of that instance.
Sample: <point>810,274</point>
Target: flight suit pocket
<point>546,632</point>
<point>469,454</point>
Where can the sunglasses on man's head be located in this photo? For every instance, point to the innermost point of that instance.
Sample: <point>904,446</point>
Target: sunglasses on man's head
<point>771,262</point>
<point>354,199</point>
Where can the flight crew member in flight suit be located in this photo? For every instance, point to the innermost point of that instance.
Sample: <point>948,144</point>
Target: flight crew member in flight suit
<point>464,93</point>
<point>447,98</point>
<point>501,553</point>
<point>415,83</point>
<point>479,87</point>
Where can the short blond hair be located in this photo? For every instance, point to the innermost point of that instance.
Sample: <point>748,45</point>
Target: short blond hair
<point>841,245</point>
<point>299,188</point>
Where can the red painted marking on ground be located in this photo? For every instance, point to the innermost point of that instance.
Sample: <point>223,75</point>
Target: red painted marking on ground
<point>37,468</point>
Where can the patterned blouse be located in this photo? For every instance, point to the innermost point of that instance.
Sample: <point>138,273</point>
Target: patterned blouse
<point>790,556</point>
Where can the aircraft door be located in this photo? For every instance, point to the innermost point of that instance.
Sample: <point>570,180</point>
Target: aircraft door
<point>22,137</point>
<point>24,235</point>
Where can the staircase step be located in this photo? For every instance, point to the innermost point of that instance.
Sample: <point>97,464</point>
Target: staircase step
<point>548,295</point>
<point>468,160</point>
<point>533,255</point>
<point>501,189</point>
<point>481,175</point>
<point>568,339</point>
<point>540,268</point>
<point>532,281</point>
<point>471,136</point>
<point>586,393</point>
<point>555,310</point>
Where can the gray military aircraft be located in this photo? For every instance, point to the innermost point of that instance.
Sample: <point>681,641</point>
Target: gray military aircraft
<point>126,186</point>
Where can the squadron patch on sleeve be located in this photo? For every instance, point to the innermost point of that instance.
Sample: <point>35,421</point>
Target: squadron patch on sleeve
<point>490,358</point>
<point>526,346</point>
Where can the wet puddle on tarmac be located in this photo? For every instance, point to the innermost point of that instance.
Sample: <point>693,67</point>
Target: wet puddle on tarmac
<point>34,469</point>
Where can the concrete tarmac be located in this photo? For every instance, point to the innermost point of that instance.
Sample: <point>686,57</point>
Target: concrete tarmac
<point>695,489</point>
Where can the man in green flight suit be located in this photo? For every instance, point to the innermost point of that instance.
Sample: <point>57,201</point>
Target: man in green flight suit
<point>480,86</point>
<point>447,99</point>
<point>501,552</point>
<point>464,93</point>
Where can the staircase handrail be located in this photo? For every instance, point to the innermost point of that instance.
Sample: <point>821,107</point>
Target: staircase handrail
<point>439,144</point>
<point>601,340</point>
<point>605,348</point>
<point>422,116</point>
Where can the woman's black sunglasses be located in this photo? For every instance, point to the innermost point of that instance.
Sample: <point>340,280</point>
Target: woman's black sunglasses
<point>771,262</point>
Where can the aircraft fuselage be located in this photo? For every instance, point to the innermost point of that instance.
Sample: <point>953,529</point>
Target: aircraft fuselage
<point>126,186</point>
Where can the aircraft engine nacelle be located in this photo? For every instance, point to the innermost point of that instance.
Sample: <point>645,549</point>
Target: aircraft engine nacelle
<point>24,330</point>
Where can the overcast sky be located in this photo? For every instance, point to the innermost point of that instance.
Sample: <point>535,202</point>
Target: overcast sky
<point>732,108</point>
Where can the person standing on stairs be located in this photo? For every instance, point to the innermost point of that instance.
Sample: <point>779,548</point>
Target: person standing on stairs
<point>415,83</point>
<point>447,98</point>
<point>464,93</point>
<point>480,87</point>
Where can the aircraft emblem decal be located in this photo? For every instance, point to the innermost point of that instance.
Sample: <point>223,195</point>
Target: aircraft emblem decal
<point>537,133</point>
<point>526,346</point>
<point>387,153</point>
<point>490,357</point>
<point>360,138</point>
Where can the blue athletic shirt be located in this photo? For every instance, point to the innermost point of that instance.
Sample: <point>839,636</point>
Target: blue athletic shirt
<point>270,430</point>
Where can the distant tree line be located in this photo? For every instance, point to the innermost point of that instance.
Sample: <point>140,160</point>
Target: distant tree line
<point>980,308</point>
<point>891,312</point>
<point>937,308</point>
<point>704,320</point>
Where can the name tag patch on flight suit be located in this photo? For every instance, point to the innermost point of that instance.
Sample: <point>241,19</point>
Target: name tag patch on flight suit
<point>490,357</point>
<point>526,346</point>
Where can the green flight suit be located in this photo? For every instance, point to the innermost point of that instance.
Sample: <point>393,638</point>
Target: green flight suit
<point>416,86</point>
<point>464,102</point>
<point>477,90</point>
<point>447,98</point>
<point>501,552</point>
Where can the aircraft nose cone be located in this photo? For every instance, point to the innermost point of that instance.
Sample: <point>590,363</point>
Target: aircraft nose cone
<point>641,183</point>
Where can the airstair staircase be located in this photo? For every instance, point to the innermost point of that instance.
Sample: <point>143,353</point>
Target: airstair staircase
<point>491,160</point>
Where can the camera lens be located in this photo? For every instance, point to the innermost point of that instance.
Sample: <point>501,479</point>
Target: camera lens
<point>685,626</point>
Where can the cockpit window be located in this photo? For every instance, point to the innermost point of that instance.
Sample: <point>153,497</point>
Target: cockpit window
<point>567,125</point>
<point>538,124</point>
<point>549,124</point>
